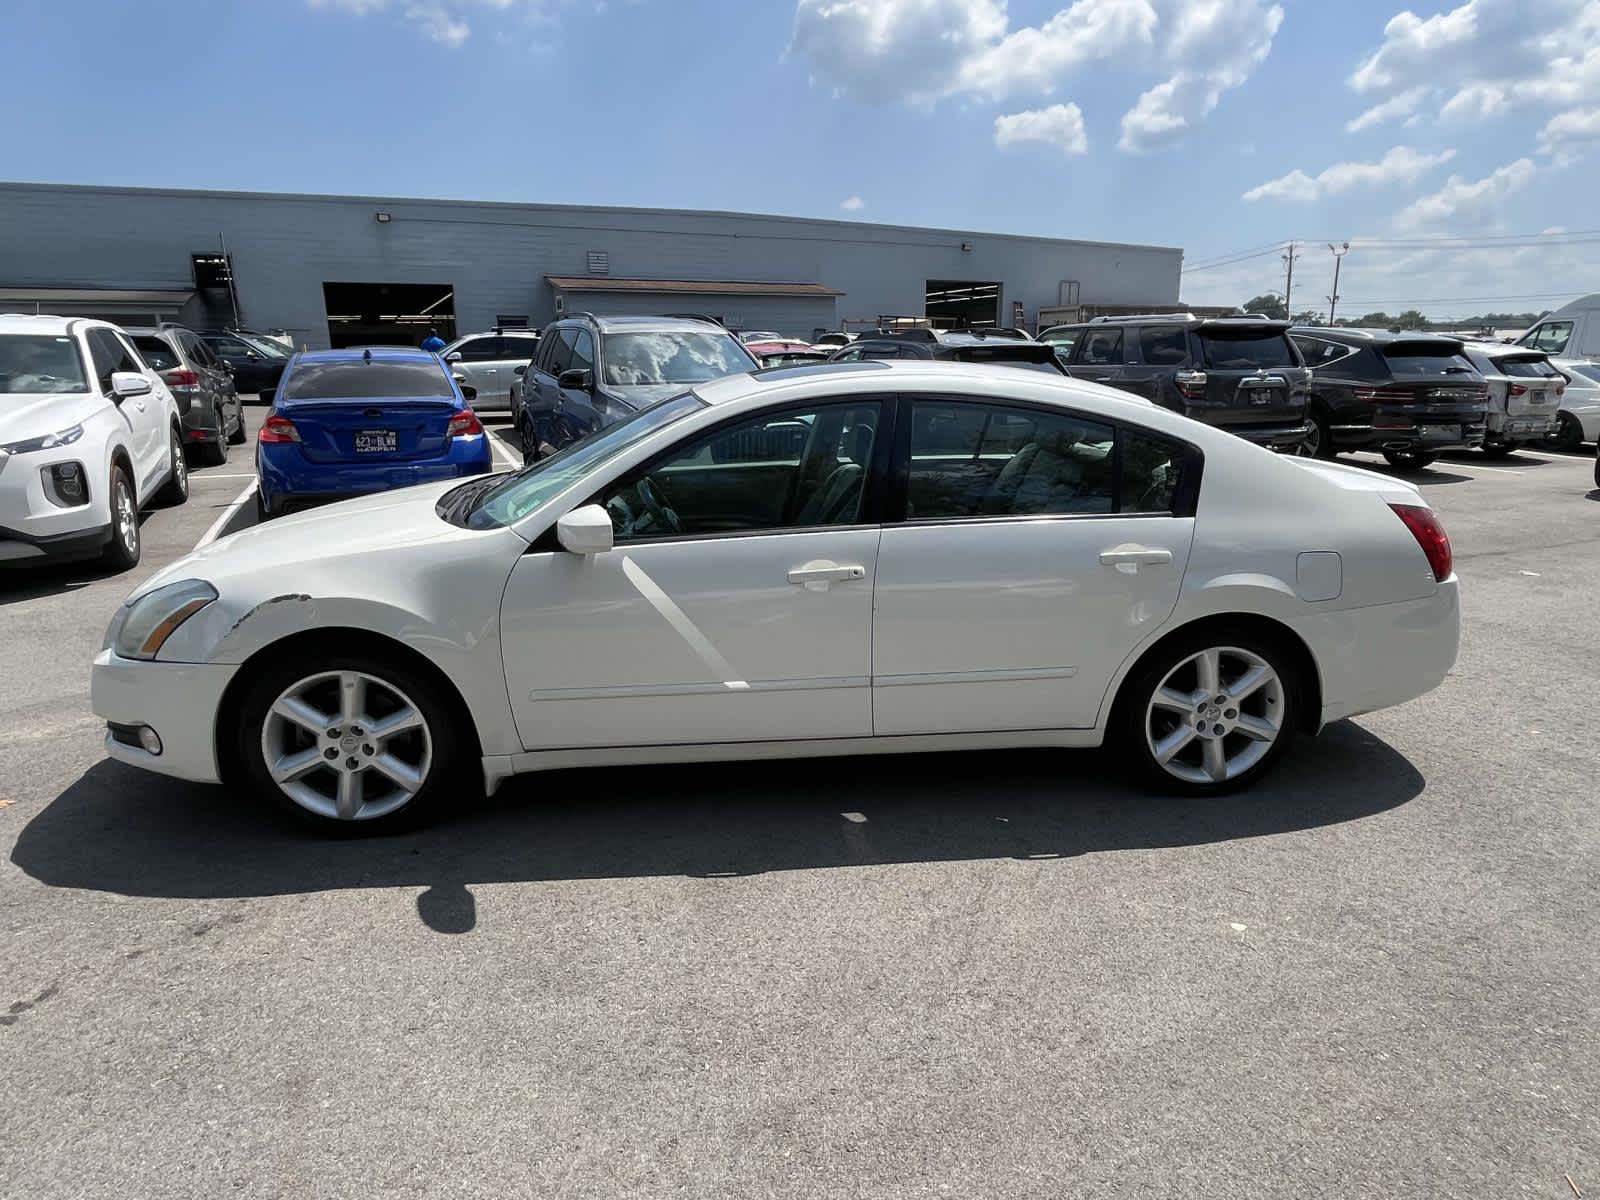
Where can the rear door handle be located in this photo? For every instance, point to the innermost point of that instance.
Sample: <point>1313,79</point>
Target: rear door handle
<point>1129,553</point>
<point>1102,379</point>
<point>818,574</point>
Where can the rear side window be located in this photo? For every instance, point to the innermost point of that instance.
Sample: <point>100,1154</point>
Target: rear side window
<point>1423,359</point>
<point>156,352</point>
<point>1320,353</point>
<point>365,381</point>
<point>1246,349</point>
<point>1525,368</point>
<point>1100,347</point>
<point>484,349</point>
<point>1164,347</point>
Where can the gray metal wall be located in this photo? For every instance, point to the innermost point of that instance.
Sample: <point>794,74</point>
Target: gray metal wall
<point>496,255</point>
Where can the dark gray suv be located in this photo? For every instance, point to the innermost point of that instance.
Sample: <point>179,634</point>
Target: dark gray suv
<point>592,371</point>
<point>201,383</point>
<point>1242,374</point>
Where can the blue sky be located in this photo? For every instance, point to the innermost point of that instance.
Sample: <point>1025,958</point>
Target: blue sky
<point>1217,125</point>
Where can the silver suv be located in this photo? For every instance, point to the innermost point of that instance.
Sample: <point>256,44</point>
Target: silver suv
<point>489,362</point>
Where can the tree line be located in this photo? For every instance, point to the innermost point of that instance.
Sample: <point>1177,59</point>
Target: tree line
<point>1271,305</point>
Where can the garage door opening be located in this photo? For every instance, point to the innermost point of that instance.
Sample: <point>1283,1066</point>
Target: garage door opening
<point>961,304</point>
<point>388,314</point>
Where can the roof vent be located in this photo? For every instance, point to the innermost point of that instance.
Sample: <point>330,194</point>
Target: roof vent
<point>599,262</point>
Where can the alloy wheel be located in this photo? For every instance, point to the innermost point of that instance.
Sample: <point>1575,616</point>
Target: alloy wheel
<point>125,516</point>
<point>1215,715</point>
<point>346,745</point>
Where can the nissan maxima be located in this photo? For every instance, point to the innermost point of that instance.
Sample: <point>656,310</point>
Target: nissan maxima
<point>808,561</point>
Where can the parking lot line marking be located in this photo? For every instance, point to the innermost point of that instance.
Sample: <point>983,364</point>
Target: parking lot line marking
<point>223,475</point>
<point>217,526</point>
<point>1450,466</point>
<point>503,454</point>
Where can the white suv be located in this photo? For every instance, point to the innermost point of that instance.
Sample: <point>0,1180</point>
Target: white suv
<point>89,435</point>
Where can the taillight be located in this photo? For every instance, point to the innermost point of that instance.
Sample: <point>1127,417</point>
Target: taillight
<point>1430,535</point>
<point>1191,384</point>
<point>277,429</point>
<point>1518,390</point>
<point>181,377</point>
<point>1561,389</point>
<point>464,424</point>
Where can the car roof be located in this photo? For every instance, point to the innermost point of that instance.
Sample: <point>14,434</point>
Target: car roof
<point>1371,337</point>
<point>47,324</point>
<point>393,354</point>
<point>649,324</point>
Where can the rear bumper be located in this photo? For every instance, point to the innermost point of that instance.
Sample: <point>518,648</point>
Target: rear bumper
<point>178,700</point>
<point>1522,425</point>
<point>1385,654</point>
<point>1411,434</point>
<point>285,477</point>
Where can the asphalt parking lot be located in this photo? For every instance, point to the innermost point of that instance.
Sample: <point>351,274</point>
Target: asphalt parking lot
<point>979,975</point>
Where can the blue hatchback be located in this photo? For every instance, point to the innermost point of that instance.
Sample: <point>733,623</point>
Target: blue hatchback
<point>345,423</point>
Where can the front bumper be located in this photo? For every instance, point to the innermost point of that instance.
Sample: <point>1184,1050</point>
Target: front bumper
<point>33,528</point>
<point>178,700</point>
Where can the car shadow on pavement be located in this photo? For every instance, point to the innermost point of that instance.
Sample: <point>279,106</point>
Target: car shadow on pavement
<point>123,831</point>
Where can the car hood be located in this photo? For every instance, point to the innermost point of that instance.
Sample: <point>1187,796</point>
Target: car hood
<point>352,531</point>
<point>30,415</point>
<point>643,395</point>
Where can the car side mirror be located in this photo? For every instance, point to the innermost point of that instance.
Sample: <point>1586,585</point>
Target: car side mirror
<point>251,354</point>
<point>125,384</point>
<point>585,530</point>
<point>453,357</point>
<point>520,371</point>
<point>577,379</point>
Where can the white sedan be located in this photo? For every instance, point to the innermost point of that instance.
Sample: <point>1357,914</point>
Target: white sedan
<point>821,560</point>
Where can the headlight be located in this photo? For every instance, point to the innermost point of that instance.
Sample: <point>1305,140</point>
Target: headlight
<point>142,626</point>
<point>49,442</point>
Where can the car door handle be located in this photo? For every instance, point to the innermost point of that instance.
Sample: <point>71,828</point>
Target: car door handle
<point>1102,379</point>
<point>817,575</point>
<point>1128,552</point>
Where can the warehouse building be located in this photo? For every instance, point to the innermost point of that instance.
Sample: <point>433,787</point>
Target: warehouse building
<point>353,270</point>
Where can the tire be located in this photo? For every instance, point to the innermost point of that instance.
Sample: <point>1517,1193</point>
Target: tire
<point>215,453</point>
<point>424,761</point>
<point>240,434</point>
<point>1497,449</point>
<point>1149,717</point>
<point>1568,434</point>
<point>529,441</point>
<point>1320,444</point>
<point>1410,460</point>
<point>176,490</point>
<point>122,552</point>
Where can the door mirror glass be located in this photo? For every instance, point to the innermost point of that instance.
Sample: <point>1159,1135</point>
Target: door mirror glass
<point>128,383</point>
<point>453,357</point>
<point>520,370</point>
<point>585,530</point>
<point>576,380</point>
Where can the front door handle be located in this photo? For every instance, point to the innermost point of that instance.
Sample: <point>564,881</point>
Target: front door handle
<point>1131,554</point>
<point>815,576</point>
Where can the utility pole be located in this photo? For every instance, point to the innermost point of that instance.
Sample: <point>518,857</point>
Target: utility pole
<point>1289,256</point>
<point>1339,252</point>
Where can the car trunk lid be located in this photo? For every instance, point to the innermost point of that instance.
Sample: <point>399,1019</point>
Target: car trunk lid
<point>370,430</point>
<point>1532,387</point>
<point>1249,375</point>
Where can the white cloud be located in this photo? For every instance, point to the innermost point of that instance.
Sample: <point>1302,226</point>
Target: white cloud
<point>1466,203</point>
<point>1402,164</point>
<point>1060,125</point>
<point>852,204</point>
<point>1404,104</point>
<point>1411,43</point>
<point>1576,126</point>
<point>442,21</point>
<point>920,52</point>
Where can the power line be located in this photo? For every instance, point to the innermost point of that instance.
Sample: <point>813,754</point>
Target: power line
<point>1228,262</point>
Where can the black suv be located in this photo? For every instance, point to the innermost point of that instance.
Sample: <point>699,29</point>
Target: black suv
<point>1004,347</point>
<point>1241,374</point>
<point>256,360</point>
<point>1408,395</point>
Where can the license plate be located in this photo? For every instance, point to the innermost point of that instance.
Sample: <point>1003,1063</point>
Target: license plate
<point>375,441</point>
<point>1439,433</point>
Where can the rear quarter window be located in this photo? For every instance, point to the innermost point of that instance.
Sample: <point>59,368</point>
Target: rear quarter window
<point>1246,350</point>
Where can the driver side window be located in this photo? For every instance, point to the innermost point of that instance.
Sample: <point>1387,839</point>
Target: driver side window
<point>791,470</point>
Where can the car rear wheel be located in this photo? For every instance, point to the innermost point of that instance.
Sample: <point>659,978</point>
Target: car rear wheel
<point>1410,460</point>
<point>347,743</point>
<point>215,452</point>
<point>1209,713</point>
<point>1568,434</point>
<point>240,434</point>
<point>1498,449</point>
<point>176,489</point>
<point>122,552</point>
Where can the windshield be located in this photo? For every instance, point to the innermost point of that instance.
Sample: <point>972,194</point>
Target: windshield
<point>270,348</point>
<point>358,380</point>
<point>1246,350</point>
<point>517,495</point>
<point>40,362</point>
<point>643,358</point>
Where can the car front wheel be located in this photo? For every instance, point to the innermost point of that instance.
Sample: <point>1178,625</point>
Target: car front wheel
<point>347,743</point>
<point>1210,713</point>
<point>122,551</point>
<point>176,490</point>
